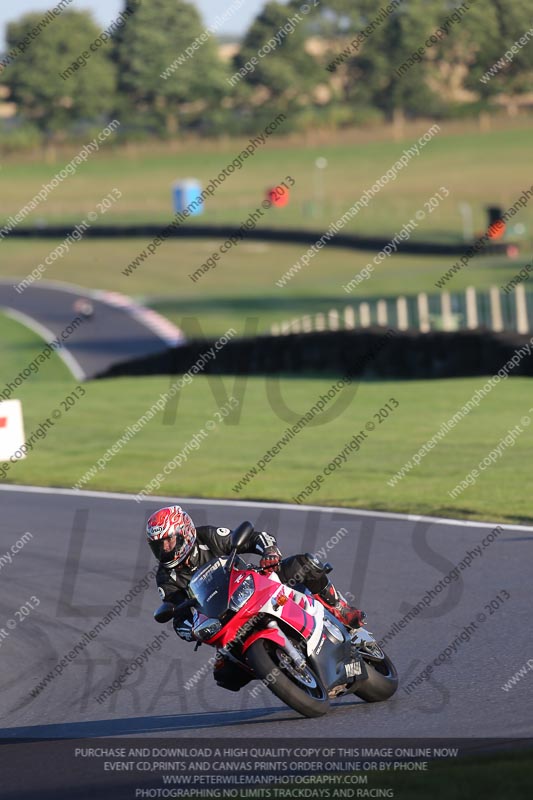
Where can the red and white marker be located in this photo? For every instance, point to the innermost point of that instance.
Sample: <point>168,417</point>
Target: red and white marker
<point>11,429</point>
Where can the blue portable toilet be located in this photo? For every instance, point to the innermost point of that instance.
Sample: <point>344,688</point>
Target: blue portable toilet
<point>184,192</point>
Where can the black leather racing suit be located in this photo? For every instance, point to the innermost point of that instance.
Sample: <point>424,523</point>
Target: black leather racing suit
<point>214,542</point>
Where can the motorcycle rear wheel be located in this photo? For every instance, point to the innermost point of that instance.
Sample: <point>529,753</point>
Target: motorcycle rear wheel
<point>311,701</point>
<point>381,683</point>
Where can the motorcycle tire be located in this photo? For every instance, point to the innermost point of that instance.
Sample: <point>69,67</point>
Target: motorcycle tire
<point>310,701</point>
<point>381,683</point>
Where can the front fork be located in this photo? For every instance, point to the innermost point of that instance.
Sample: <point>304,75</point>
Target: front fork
<point>293,653</point>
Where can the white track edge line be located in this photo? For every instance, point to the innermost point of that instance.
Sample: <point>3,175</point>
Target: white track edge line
<point>48,335</point>
<point>260,504</point>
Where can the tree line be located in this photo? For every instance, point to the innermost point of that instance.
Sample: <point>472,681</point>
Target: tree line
<point>324,62</point>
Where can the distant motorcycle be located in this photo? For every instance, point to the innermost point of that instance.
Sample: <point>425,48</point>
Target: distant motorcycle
<point>282,636</point>
<point>84,307</point>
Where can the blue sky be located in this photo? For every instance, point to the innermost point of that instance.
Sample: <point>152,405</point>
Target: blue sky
<point>107,10</point>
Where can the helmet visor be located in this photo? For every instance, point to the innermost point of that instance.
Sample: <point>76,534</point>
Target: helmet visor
<point>166,549</point>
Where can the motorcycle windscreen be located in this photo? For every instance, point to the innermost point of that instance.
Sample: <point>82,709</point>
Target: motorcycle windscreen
<point>210,586</point>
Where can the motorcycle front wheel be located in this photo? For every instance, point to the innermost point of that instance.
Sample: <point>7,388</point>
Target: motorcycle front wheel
<point>301,690</point>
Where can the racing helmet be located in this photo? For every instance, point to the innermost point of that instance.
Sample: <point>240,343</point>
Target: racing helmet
<point>171,535</point>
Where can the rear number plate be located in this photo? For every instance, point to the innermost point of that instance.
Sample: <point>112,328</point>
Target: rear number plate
<point>353,669</point>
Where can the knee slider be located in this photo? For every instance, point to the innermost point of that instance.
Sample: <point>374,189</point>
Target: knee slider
<point>316,572</point>
<point>305,570</point>
<point>316,567</point>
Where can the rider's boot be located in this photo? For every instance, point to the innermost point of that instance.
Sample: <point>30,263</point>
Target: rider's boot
<point>333,600</point>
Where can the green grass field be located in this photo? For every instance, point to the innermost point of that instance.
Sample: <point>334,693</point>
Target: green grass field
<point>86,431</point>
<point>242,292</point>
<point>482,778</point>
<point>479,169</point>
<point>243,283</point>
<point>488,777</point>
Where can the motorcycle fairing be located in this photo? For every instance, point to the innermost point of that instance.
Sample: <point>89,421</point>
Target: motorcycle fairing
<point>330,651</point>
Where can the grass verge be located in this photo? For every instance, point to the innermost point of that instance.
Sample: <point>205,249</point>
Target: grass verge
<point>495,777</point>
<point>457,158</point>
<point>243,284</point>
<point>213,466</point>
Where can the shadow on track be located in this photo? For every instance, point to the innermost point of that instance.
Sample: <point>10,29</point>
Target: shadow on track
<point>126,727</point>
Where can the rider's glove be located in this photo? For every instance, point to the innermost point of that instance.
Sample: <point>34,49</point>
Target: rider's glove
<point>270,559</point>
<point>184,629</point>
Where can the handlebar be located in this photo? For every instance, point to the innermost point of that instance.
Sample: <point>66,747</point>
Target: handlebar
<point>178,610</point>
<point>256,568</point>
<point>231,563</point>
<point>168,611</point>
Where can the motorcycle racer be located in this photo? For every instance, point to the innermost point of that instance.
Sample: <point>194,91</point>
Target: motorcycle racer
<point>181,548</point>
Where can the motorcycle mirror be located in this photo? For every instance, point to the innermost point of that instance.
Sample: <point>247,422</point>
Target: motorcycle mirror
<point>241,534</point>
<point>238,537</point>
<point>165,612</point>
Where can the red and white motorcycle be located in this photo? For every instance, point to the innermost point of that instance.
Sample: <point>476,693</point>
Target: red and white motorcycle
<point>282,636</point>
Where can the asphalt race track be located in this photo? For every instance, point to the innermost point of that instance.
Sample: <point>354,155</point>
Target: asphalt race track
<point>88,552</point>
<point>118,331</point>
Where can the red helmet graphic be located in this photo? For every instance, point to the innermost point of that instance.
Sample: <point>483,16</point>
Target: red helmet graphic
<point>171,535</point>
